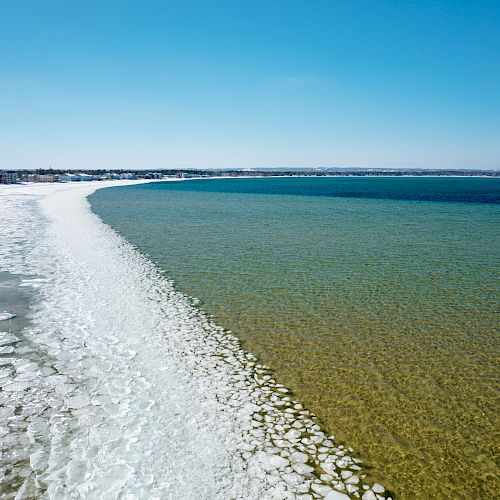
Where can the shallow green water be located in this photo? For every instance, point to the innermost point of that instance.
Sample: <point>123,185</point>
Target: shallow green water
<point>381,314</point>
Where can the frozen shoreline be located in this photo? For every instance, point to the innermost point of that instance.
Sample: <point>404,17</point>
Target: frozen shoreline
<point>130,391</point>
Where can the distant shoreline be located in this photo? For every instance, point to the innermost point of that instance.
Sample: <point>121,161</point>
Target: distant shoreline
<point>173,178</point>
<point>66,176</point>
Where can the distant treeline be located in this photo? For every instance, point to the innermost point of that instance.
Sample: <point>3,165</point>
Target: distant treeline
<point>271,172</point>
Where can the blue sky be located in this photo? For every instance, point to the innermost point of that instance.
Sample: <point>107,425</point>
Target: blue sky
<point>122,84</point>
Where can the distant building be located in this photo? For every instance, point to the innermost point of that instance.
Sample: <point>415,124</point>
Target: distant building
<point>67,177</point>
<point>63,177</point>
<point>8,177</point>
<point>129,176</point>
<point>26,177</point>
<point>86,177</point>
<point>44,178</point>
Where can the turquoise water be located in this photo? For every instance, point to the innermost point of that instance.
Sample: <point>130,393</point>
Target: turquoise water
<point>374,299</point>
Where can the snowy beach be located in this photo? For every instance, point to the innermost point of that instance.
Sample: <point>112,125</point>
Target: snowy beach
<point>120,388</point>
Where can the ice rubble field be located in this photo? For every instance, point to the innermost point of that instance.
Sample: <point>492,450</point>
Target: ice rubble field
<point>121,388</point>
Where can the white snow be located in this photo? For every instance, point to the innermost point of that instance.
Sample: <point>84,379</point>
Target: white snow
<point>122,388</point>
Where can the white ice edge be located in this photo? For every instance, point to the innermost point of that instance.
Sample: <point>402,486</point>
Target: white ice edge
<point>4,316</point>
<point>130,391</point>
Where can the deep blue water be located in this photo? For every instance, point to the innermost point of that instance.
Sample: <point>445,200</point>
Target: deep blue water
<point>437,189</point>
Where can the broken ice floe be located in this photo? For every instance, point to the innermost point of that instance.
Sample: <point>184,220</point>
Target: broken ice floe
<point>6,315</point>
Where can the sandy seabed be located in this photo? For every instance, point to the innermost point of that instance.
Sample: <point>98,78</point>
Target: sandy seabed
<point>121,388</point>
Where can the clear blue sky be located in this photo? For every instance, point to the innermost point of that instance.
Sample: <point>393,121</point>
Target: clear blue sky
<point>112,84</point>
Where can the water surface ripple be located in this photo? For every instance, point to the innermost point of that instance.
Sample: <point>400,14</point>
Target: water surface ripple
<point>375,300</point>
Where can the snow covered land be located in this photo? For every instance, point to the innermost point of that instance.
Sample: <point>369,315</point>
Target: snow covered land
<point>120,388</point>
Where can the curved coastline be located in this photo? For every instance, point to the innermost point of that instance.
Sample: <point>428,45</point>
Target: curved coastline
<point>147,396</point>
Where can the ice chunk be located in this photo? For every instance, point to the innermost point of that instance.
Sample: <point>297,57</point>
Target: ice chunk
<point>4,316</point>
<point>7,338</point>
<point>336,495</point>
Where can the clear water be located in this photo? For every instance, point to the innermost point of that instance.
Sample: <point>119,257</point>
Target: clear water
<point>14,299</point>
<point>374,299</point>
